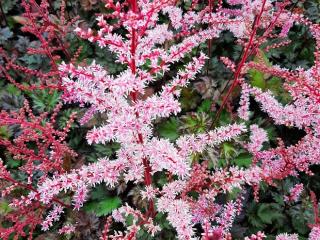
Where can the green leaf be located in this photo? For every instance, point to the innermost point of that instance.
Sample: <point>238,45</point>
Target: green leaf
<point>256,222</point>
<point>257,79</point>
<point>103,207</point>
<point>300,224</point>
<point>144,235</point>
<point>65,117</point>
<point>45,100</point>
<point>195,123</point>
<point>278,198</point>
<point>228,150</point>
<point>300,218</point>
<point>13,163</point>
<point>274,84</point>
<point>106,149</point>
<point>161,178</point>
<point>103,150</point>
<point>12,89</point>
<point>234,193</point>
<point>243,160</point>
<point>4,207</point>
<point>4,132</point>
<point>205,106</point>
<point>162,220</point>
<point>268,213</point>
<point>33,61</point>
<point>225,118</point>
<point>169,129</point>
<point>99,192</point>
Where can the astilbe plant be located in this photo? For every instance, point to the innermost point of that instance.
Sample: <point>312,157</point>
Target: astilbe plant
<point>302,112</point>
<point>150,50</point>
<point>33,143</point>
<point>42,149</point>
<point>51,31</point>
<point>130,117</point>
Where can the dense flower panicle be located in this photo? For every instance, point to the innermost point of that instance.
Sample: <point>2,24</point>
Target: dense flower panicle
<point>31,219</point>
<point>295,193</point>
<point>196,143</point>
<point>175,15</point>
<point>236,2</point>
<point>120,214</point>
<point>204,210</point>
<point>315,233</point>
<point>173,189</point>
<point>284,161</point>
<point>179,216</point>
<point>257,138</point>
<point>90,87</point>
<point>227,217</point>
<point>286,236</point>
<point>258,236</point>
<point>163,155</point>
<point>104,171</point>
<point>290,115</point>
<point>67,229</point>
<point>50,141</point>
<point>88,115</point>
<point>222,215</point>
<point>301,112</point>
<point>3,170</point>
<point>53,215</point>
<point>149,193</point>
<point>227,179</point>
<point>208,185</point>
<point>285,28</point>
<point>243,110</point>
<point>157,106</point>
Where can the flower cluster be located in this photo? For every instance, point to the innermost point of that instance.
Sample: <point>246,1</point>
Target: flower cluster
<point>51,31</point>
<point>294,193</point>
<point>315,233</point>
<point>37,165</point>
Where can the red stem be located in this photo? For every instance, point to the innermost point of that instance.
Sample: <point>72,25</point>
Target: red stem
<point>44,43</point>
<point>243,60</point>
<point>134,96</point>
<point>315,208</point>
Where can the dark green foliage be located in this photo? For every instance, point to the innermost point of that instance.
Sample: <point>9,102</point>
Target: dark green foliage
<point>103,207</point>
<point>44,101</point>
<point>169,129</point>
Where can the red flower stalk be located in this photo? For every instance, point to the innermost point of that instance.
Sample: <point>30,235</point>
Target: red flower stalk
<point>51,31</point>
<point>41,148</point>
